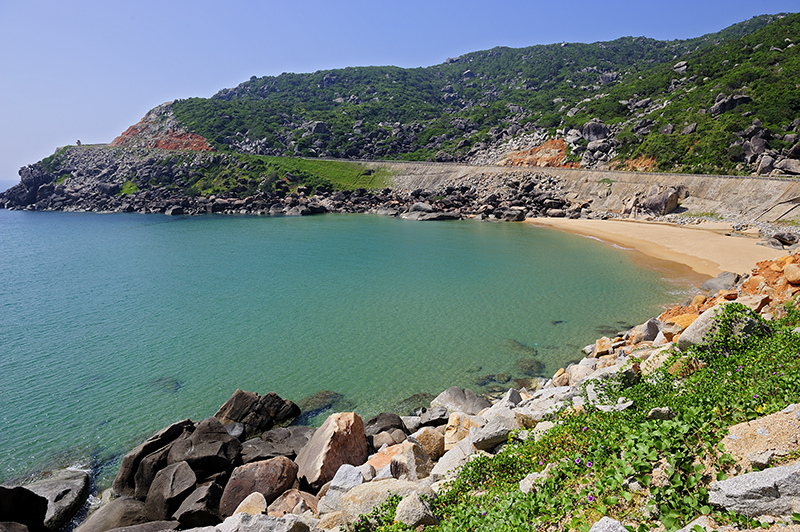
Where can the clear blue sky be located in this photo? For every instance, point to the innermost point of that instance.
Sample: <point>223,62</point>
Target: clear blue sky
<point>88,69</point>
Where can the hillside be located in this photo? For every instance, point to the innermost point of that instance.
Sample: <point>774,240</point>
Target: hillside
<point>667,105</point>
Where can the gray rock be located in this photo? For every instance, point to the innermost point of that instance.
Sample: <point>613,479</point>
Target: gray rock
<point>363,499</point>
<point>454,399</point>
<point>152,526</point>
<point>494,433</point>
<point>774,491</point>
<point>170,487</point>
<point>116,514</point>
<point>208,450</point>
<point>243,522</point>
<point>257,413</point>
<point>661,413</point>
<point>125,481</point>
<point>433,417</point>
<point>762,459</point>
<point>383,422</point>
<point>595,130</point>
<point>646,332</point>
<point>451,461</point>
<point>66,491</point>
<point>346,478</point>
<point>414,512</point>
<point>412,423</point>
<point>201,507</point>
<point>723,281</point>
<point>663,203</point>
<point>606,524</point>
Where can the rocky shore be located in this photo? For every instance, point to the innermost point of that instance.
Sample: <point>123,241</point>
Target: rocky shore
<point>249,468</point>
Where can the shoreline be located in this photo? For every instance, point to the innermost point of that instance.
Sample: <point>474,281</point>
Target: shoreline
<point>686,254</point>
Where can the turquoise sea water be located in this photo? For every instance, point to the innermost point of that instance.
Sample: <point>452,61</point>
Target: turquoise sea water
<point>113,326</point>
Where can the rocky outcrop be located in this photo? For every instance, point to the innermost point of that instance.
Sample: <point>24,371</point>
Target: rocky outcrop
<point>271,478</point>
<point>340,440</point>
<point>256,413</point>
<point>774,491</point>
<point>160,130</point>
<point>65,491</point>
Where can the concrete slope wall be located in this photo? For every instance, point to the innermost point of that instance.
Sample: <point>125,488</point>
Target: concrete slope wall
<point>753,198</point>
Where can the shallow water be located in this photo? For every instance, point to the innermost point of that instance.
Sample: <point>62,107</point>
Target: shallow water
<point>115,325</point>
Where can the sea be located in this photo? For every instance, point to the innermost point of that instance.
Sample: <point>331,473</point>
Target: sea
<point>113,326</point>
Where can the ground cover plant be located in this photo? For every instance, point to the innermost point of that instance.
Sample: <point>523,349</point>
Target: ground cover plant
<point>642,472</point>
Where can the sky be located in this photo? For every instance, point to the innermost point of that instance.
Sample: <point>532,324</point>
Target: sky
<point>86,70</point>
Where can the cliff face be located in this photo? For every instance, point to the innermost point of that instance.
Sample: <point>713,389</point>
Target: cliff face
<point>160,130</point>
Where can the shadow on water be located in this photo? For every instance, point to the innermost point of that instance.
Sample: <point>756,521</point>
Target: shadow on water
<point>322,402</point>
<point>167,384</point>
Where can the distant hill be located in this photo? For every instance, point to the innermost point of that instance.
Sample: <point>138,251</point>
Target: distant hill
<point>683,105</point>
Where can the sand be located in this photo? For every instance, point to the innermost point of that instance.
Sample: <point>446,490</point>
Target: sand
<point>690,254</point>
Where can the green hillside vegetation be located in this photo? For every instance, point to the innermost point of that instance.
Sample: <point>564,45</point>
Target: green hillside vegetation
<point>447,110</point>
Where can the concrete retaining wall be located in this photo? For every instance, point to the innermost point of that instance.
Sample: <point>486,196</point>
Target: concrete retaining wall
<point>766,199</point>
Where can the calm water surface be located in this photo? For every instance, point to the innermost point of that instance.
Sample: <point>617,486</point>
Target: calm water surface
<point>113,326</point>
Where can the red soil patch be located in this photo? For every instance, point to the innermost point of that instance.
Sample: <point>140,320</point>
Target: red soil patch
<point>551,154</point>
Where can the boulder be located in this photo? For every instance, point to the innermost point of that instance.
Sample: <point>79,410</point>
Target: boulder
<point>774,491</point>
<point>255,412</point>
<point>148,467</point>
<point>663,203</point>
<point>451,461</point>
<point>792,273</point>
<point>431,440</point>
<point>433,417</point>
<point>21,505</point>
<point>789,166</point>
<point>595,130</point>
<point>415,512</point>
<point>646,332</point>
<point>340,440</point>
<point>495,432</point>
<point>293,502</point>
<point>243,522</point>
<point>346,478</point>
<point>125,482</point>
<point>705,325</point>
<point>606,524</point>
<point>253,504</point>
<point>363,499</point>
<point>411,462</point>
<point>384,422</point>
<point>170,487</point>
<point>66,491</point>
<point>723,281</point>
<point>116,514</point>
<point>151,526</point>
<point>269,477</point>
<point>201,507</point>
<point>454,399</point>
<point>207,450</point>
<point>458,428</point>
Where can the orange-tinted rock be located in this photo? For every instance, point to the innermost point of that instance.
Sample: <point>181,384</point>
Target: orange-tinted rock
<point>291,500</point>
<point>340,440</point>
<point>458,428</point>
<point>792,273</point>
<point>552,154</point>
<point>383,458</point>
<point>603,346</point>
<point>160,129</point>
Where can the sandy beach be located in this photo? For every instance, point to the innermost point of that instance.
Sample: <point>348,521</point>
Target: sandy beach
<point>684,253</point>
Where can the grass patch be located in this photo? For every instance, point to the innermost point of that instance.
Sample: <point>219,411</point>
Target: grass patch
<point>128,188</point>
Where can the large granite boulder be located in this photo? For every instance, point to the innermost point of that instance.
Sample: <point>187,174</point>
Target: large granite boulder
<point>362,499</point>
<point>595,130</point>
<point>293,502</point>
<point>170,487</point>
<point>207,450</point>
<point>125,482</point>
<point>201,507</point>
<point>244,522</point>
<point>66,491</point>
<point>662,203</point>
<point>21,505</point>
<point>415,512</point>
<point>284,441</point>
<point>454,399</point>
<point>384,422</point>
<point>270,478</point>
<point>773,491</point>
<point>340,440</point>
<point>411,462</point>
<point>723,281</point>
<point>116,514</point>
<point>255,412</point>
